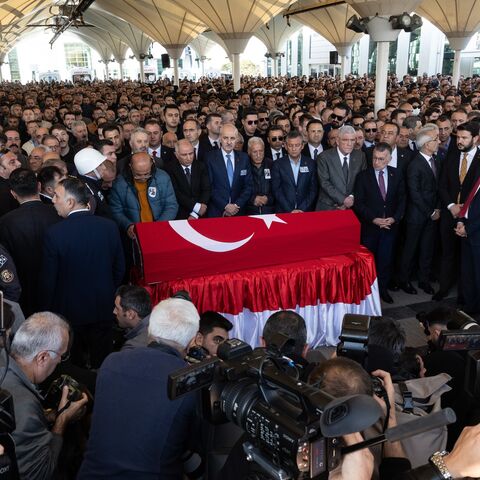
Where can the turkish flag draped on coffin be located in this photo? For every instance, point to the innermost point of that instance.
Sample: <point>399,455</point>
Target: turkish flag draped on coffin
<point>184,249</point>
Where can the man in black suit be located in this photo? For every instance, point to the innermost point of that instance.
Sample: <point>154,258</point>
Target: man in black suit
<point>459,173</point>
<point>190,181</point>
<point>468,227</point>
<point>313,148</point>
<point>422,213</point>
<point>380,205</point>
<point>22,231</point>
<point>294,179</point>
<point>274,148</point>
<point>211,140</point>
<point>400,157</point>
<point>83,265</point>
<point>192,131</point>
<point>8,163</point>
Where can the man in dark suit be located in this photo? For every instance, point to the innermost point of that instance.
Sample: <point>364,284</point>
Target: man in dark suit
<point>337,169</point>
<point>400,157</point>
<point>192,131</point>
<point>422,213</point>
<point>8,163</point>
<point>190,181</point>
<point>294,179</point>
<point>22,231</point>
<point>211,140</point>
<point>380,205</point>
<point>230,177</point>
<point>274,148</point>
<point>313,148</point>
<point>459,173</point>
<point>83,264</point>
<point>468,227</point>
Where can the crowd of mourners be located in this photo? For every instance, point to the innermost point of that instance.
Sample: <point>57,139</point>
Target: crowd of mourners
<point>81,164</point>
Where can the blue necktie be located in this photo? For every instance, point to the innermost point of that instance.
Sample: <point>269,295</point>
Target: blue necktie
<point>229,169</point>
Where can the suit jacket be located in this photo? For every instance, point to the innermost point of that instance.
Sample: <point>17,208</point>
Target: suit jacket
<point>189,194</point>
<point>222,194</point>
<point>422,187</point>
<point>333,187</point>
<point>472,223</point>
<point>369,203</point>
<point>7,202</point>
<point>306,151</point>
<point>205,144</point>
<point>290,196</point>
<point>404,157</point>
<point>21,232</point>
<point>83,265</point>
<point>268,152</point>
<point>449,184</point>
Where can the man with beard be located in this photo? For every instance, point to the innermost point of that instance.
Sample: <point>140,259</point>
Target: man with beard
<point>337,119</point>
<point>459,174</point>
<point>249,127</point>
<point>13,144</point>
<point>8,163</point>
<point>90,166</point>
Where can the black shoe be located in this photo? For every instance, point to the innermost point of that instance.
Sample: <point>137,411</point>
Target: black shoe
<point>427,288</point>
<point>440,295</point>
<point>408,288</point>
<point>393,287</point>
<point>385,296</point>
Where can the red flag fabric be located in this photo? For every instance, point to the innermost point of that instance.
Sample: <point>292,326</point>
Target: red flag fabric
<point>467,203</point>
<point>184,249</point>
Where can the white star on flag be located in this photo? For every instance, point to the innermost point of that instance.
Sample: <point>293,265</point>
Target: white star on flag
<point>269,219</point>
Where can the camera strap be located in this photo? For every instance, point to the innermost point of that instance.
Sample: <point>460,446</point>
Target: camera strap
<point>69,402</point>
<point>407,397</point>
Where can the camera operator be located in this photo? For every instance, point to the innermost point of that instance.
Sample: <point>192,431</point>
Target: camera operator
<point>212,332</point>
<point>341,377</point>
<point>453,363</point>
<point>39,345</point>
<point>137,432</point>
<point>133,306</point>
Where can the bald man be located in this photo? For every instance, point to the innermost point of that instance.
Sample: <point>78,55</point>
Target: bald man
<point>142,193</point>
<point>190,181</point>
<point>230,177</point>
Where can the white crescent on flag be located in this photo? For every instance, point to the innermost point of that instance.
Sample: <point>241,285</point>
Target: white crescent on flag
<point>188,233</point>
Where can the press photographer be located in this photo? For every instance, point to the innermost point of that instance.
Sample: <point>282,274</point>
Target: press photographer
<point>39,345</point>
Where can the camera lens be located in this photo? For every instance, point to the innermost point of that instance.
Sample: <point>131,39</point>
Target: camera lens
<point>237,399</point>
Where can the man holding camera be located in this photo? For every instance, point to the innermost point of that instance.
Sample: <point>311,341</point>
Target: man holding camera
<point>137,432</point>
<point>39,345</point>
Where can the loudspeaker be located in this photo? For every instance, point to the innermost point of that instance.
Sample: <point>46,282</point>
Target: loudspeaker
<point>334,57</point>
<point>166,60</point>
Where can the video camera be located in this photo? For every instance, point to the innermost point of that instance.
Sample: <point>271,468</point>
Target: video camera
<point>292,427</point>
<point>462,334</point>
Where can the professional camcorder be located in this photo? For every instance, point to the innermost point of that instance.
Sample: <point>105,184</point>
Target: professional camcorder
<point>292,427</point>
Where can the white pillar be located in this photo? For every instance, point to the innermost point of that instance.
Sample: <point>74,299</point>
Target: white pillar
<point>202,61</point>
<point>235,43</point>
<point>381,75</point>
<point>345,52</point>
<point>403,45</point>
<point>106,70</point>
<point>458,44</point>
<point>1,76</point>
<point>142,71</point>
<point>175,71</point>
<point>364,45</point>
<point>120,64</point>
<point>275,66</point>
<point>236,71</point>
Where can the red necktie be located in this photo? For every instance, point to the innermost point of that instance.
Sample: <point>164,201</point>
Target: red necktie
<point>467,203</point>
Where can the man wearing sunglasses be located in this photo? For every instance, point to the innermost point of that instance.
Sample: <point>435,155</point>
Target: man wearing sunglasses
<point>370,129</point>
<point>275,139</point>
<point>336,120</point>
<point>249,127</point>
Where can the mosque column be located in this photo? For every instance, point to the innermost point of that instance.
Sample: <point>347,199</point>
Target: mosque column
<point>235,43</point>
<point>345,52</point>
<point>457,44</point>
<point>175,52</point>
<point>142,70</point>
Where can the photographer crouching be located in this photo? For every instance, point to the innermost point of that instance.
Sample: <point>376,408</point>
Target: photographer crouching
<point>39,345</point>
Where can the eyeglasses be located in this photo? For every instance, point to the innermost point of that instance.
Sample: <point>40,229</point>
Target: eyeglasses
<point>336,117</point>
<point>64,357</point>
<point>357,124</point>
<point>370,130</point>
<point>252,122</point>
<point>263,119</point>
<point>277,139</point>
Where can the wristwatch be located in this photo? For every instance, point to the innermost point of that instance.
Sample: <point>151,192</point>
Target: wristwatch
<point>437,461</point>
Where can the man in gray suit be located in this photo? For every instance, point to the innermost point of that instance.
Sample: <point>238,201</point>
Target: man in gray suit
<point>337,169</point>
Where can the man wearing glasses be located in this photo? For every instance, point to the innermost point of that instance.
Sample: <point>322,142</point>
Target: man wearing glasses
<point>275,139</point>
<point>143,193</point>
<point>336,120</point>
<point>423,211</point>
<point>38,346</point>
<point>249,127</point>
